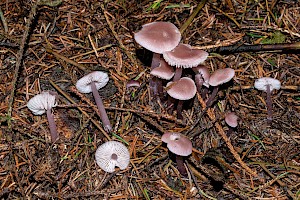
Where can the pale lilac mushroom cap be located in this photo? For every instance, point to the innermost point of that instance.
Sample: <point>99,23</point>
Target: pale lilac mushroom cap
<point>100,79</point>
<point>158,37</point>
<point>231,119</point>
<point>261,84</point>
<point>163,71</point>
<point>185,56</point>
<point>221,76</point>
<point>112,154</point>
<point>183,89</point>
<point>40,103</point>
<point>177,143</point>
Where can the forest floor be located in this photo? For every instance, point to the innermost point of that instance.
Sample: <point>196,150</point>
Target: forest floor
<point>70,39</point>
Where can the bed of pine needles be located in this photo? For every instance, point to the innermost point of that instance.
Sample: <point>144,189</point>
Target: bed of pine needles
<point>49,45</point>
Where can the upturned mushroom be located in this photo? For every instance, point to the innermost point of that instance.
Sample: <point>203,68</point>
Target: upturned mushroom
<point>112,154</point>
<point>184,56</point>
<point>219,77</point>
<point>41,103</point>
<point>157,37</point>
<point>267,85</point>
<point>179,145</point>
<point>92,82</point>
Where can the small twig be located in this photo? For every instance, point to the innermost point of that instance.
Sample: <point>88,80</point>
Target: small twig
<point>232,150</point>
<point>3,21</point>
<point>192,16</point>
<point>196,183</point>
<point>59,56</point>
<point>19,61</point>
<point>133,61</point>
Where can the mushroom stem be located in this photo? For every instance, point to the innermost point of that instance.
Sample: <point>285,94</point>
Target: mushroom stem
<point>155,83</point>
<point>178,74</point>
<point>180,165</point>
<point>179,109</point>
<point>103,115</point>
<point>212,96</point>
<point>52,126</point>
<point>269,105</point>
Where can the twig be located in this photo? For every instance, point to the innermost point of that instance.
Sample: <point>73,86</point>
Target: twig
<point>133,61</point>
<point>281,48</point>
<point>3,21</point>
<point>232,150</point>
<point>59,56</point>
<point>19,61</point>
<point>192,16</point>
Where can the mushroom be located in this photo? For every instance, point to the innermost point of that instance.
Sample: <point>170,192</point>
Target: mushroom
<point>163,71</point>
<point>184,56</point>
<point>41,103</point>
<point>219,77</point>
<point>157,37</point>
<point>92,82</point>
<point>202,78</point>
<point>183,89</point>
<point>179,145</point>
<point>112,154</point>
<point>231,120</point>
<point>267,85</point>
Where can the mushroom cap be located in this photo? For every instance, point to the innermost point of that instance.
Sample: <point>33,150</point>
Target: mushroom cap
<point>158,37</point>
<point>42,102</point>
<point>185,56</point>
<point>231,119</point>
<point>100,78</point>
<point>112,154</point>
<point>183,89</point>
<point>177,143</point>
<point>221,76</point>
<point>261,83</point>
<point>163,71</point>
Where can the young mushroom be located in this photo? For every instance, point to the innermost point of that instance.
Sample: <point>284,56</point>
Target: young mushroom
<point>231,120</point>
<point>157,37</point>
<point>267,85</point>
<point>219,77</point>
<point>92,82</point>
<point>183,89</point>
<point>179,145</point>
<point>112,154</point>
<point>41,103</point>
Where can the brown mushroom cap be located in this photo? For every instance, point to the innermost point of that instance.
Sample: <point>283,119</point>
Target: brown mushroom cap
<point>158,37</point>
<point>183,89</point>
<point>231,119</point>
<point>163,71</point>
<point>185,56</point>
<point>221,76</point>
<point>177,143</point>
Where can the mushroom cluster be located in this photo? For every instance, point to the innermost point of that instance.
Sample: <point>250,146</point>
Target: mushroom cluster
<point>163,38</point>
